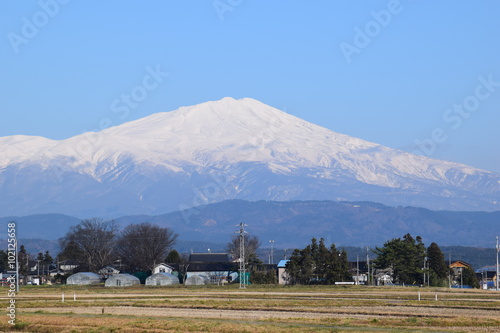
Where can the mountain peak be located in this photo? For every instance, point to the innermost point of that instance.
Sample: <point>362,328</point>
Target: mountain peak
<point>241,149</point>
<point>228,108</point>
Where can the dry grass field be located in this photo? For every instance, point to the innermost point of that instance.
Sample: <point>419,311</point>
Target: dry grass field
<point>255,309</point>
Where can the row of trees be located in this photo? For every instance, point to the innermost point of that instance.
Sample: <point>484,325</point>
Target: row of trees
<point>410,262</point>
<point>44,260</point>
<point>95,243</point>
<point>406,259</point>
<point>318,264</point>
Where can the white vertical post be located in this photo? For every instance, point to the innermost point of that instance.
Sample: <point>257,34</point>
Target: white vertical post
<point>74,297</point>
<point>436,297</point>
<point>62,297</point>
<point>498,250</point>
<point>357,269</point>
<point>419,295</point>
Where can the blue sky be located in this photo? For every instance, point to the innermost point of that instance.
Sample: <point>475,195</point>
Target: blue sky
<point>418,76</point>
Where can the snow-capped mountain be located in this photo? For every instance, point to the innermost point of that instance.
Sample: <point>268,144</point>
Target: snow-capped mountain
<point>224,150</point>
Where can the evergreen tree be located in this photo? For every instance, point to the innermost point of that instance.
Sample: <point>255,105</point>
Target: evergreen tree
<point>307,264</point>
<point>404,256</point>
<point>47,258</point>
<point>173,257</point>
<point>469,278</point>
<point>322,262</point>
<point>438,270</point>
<point>333,272</point>
<point>23,261</point>
<point>4,260</point>
<point>300,266</point>
<point>293,266</point>
<point>316,264</point>
<point>71,252</point>
<point>344,273</point>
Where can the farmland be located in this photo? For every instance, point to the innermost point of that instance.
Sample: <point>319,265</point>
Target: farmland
<point>255,309</point>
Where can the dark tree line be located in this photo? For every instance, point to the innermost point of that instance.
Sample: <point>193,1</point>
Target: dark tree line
<point>405,257</point>
<point>318,264</point>
<point>96,243</point>
<point>411,262</point>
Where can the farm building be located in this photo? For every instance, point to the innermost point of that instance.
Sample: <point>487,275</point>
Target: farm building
<point>196,280</point>
<point>108,271</point>
<point>83,278</point>
<point>283,277</point>
<point>208,257</point>
<point>162,279</point>
<point>121,280</point>
<point>162,268</point>
<point>215,266</point>
<point>487,277</point>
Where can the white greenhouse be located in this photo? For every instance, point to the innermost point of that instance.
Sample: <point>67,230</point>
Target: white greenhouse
<point>162,279</point>
<point>83,278</point>
<point>121,280</point>
<point>196,280</point>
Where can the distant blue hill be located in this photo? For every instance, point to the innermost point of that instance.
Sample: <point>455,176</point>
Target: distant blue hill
<point>292,224</point>
<point>41,226</point>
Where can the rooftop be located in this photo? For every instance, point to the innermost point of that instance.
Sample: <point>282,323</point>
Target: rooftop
<point>208,257</point>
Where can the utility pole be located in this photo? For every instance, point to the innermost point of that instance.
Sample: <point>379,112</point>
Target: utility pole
<point>38,268</point>
<point>357,269</point>
<point>498,250</point>
<point>427,271</point>
<point>449,270</point>
<point>461,278</point>
<point>242,270</point>
<point>368,267</point>
<point>425,260</point>
<point>271,259</point>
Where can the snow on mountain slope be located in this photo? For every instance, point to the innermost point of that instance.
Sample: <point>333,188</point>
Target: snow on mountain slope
<point>262,152</point>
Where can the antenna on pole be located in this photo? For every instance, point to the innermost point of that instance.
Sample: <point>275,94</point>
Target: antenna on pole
<point>242,270</point>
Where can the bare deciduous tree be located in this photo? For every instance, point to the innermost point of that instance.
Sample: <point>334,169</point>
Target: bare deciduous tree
<point>251,244</point>
<point>92,243</point>
<point>143,245</point>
